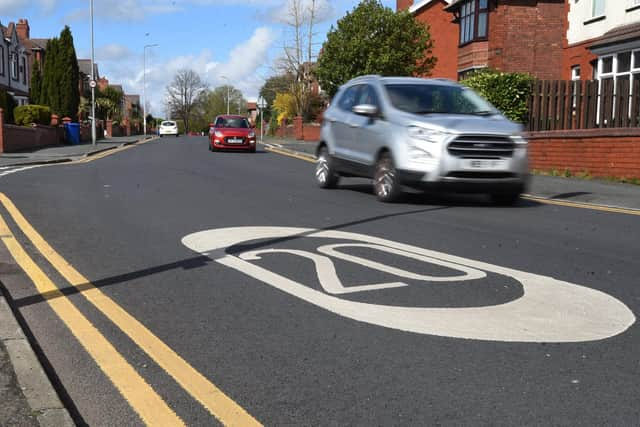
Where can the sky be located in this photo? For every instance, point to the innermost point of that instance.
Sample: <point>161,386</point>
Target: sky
<point>231,41</point>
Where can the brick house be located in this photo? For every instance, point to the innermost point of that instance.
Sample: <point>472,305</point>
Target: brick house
<point>603,40</point>
<point>36,47</point>
<point>14,64</point>
<point>508,35</point>
<point>441,28</point>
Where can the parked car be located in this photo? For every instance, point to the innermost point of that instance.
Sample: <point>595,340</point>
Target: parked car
<point>168,127</point>
<point>232,133</point>
<point>420,133</point>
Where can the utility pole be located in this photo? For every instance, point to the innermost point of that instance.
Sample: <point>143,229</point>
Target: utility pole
<point>93,82</point>
<point>224,77</point>
<point>144,86</point>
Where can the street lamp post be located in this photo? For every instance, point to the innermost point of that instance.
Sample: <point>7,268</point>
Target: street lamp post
<point>224,77</point>
<point>93,82</point>
<point>144,86</point>
<point>261,104</point>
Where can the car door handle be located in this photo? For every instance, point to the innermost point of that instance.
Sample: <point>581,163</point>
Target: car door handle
<point>354,125</point>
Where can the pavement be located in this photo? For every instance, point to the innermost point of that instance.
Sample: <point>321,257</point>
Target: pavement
<point>65,153</point>
<point>27,397</point>
<point>590,191</point>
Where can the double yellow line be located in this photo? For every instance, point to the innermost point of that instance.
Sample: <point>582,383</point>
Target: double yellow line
<point>151,408</point>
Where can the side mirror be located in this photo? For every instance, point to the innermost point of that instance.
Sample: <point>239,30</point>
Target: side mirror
<point>365,110</point>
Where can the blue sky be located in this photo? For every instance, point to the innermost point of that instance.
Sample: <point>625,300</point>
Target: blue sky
<point>240,40</point>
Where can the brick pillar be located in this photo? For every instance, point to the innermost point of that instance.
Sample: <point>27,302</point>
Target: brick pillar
<point>298,128</point>
<point>66,120</point>
<point>109,128</point>
<point>55,120</point>
<point>127,130</point>
<point>1,130</point>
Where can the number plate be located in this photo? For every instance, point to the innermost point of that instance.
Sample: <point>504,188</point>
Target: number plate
<point>235,141</point>
<point>484,164</point>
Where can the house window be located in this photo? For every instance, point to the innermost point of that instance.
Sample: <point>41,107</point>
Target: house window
<point>473,21</point>
<point>14,66</point>
<point>575,72</point>
<point>23,70</point>
<point>1,61</point>
<point>597,8</point>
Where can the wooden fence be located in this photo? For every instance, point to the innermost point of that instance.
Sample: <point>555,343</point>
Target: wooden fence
<point>565,105</point>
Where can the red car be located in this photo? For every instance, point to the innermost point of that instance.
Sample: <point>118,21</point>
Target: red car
<point>232,133</point>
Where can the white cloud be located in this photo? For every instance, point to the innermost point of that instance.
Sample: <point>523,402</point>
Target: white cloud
<point>242,68</point>
<point>10,7</point>
<point>113,52</point>
<point>47,6</point>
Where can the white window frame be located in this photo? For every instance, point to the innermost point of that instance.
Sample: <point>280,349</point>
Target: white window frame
<point>633,73</point>
<point>594,13</point>
<point>13,65</point>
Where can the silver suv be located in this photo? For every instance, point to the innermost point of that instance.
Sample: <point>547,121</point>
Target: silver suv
<point>420,133</point>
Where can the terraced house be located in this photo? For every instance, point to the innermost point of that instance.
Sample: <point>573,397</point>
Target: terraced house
<point>14,64</point>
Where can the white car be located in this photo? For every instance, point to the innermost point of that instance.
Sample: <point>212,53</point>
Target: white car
<point>168,128</point>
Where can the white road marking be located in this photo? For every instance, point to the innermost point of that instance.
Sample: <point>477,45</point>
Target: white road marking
<point>549,311</point>
<point>18,169</point>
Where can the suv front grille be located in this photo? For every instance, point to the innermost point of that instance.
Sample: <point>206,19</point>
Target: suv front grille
<point>481,146</point>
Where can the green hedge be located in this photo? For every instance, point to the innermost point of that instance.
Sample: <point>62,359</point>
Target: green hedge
<point>7,103</point>
<point>508,92</point>
<point>27,114</point>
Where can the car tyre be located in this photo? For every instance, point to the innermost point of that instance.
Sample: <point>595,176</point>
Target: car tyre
<point>326,174</point>
<point>386,184</point>
<point>505,199</point>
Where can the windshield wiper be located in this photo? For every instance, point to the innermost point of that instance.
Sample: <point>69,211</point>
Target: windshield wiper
<point>484,113</point>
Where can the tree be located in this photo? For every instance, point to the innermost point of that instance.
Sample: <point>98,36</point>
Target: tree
<point>60,89</point>
<point>36,83</point>
<point>184,93</point>
<point>276,84</point>
<point>298,60</point>
<point>373,39</point>
<point>109,103</point>
<point>285,106</point>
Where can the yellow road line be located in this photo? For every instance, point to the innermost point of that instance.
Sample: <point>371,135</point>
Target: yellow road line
<point>142,398</point>
<point>289,154</point>
<point>193,382</point>
<point>581,205</point>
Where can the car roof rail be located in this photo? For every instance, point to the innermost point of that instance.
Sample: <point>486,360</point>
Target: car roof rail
<point>366,76</point>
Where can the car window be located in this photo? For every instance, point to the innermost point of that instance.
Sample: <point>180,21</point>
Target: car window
<point>232,122</point>
<point>368,96</point>
<point>168,124</point>
<point>436,98</point>
<point>349,98</point>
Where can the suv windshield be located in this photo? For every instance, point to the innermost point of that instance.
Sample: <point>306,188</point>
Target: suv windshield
<point>232,122</point>
<point>437,99</point>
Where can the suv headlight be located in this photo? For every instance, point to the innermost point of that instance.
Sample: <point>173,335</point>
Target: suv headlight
<point>519,140</point>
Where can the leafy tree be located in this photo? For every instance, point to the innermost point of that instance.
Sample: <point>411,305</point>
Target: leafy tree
<point>109,103</point>
<point>285,106</point>
<point>215,102</point>
<point>7,103</point>
<point>508,92</point>
<point>60,77</point>
<point>276,84</point>
<point>36,83</point>
<point>373,39</point>
<point>184,94</point>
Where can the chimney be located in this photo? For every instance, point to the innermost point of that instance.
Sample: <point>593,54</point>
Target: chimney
<point>23,30</point>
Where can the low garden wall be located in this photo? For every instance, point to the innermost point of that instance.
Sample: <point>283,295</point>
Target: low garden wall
<point>20,138</point>
<point>594,152</point>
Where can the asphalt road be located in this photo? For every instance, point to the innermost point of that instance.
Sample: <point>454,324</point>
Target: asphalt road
<point>296,347</point>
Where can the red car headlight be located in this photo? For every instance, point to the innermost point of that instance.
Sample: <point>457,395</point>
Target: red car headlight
<point>218,134</point>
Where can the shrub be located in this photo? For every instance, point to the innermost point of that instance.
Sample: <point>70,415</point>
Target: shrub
<point>27,114</point>
<point>7,103</point>
<point>509,92</point>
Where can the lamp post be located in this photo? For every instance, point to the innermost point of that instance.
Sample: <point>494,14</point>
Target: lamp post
<point>261,104</point>
<point>93,82</point>
<point>144,86</point>
<point>224,77</point>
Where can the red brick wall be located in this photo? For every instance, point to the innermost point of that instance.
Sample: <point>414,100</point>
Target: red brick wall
<point>578,54</point>
<point>18,138</point>
<point>600,152</point>
<point>474,54</point>
<point>527,36</point>
<point>444,34</point>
